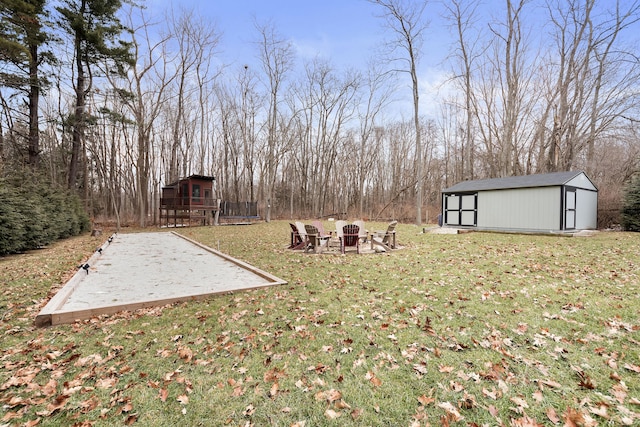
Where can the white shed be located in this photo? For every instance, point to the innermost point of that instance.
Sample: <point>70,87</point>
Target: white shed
<point>551,202</point>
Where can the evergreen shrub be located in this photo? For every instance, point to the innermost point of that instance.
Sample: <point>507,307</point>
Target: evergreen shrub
<point>33,215</point>
<point>630,215</point>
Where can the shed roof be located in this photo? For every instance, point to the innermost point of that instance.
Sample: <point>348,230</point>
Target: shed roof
<point>526,181</point>
<point>190,177</point>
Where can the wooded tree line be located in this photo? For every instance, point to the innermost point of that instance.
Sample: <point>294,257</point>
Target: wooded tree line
<point>100,98</point>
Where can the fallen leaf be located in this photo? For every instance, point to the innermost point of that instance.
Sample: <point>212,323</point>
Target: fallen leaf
<point>550,383</point>
<point>525,421</point>
<point>451,410</point>
<point>490,394</point>
<point>341,404</point>
<point>519,401</point>
<point>425,400</point>
<point>59,403</point>
<point>331,414</point>
<point>620,392</point>
<point>105,383</point>
<point>553,416</point>
<point>420,368</point>
<point>329,395</point>
<point>131,419</point>
<point>537,396</point>
<point>356,413</point>
<point>600,411</point>
<point>274,390</point>
<point>634,368</point>
<point>373,379</point>
<point>185,353</point>
<point>183,399</point>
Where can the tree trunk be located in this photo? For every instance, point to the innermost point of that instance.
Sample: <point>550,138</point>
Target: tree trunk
<point>34,97</point>
<point>78,120</point>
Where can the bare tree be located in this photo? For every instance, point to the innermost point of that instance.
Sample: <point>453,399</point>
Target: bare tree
<point>405,19</point>
<point>332,99</point>
<point>276,55</point>
<point>146,84</point>
<point>370,107</point>
<point>196,42</point>
<point>463,15</point>
<point>594,78</point>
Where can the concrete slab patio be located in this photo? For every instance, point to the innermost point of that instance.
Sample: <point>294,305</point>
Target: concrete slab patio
<point>140,270</point>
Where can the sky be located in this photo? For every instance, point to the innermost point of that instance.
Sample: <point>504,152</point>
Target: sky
<point>348,33</point>
<point>343,30</point>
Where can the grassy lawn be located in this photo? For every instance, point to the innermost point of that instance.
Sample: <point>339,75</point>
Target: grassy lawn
<point>470,329</point>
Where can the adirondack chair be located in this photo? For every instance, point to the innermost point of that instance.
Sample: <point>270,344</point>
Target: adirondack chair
<point>363,231</point>
<point>350,237</point>
<point>324,236</point>
<point>297,242</point>
<point>316,241</point>
<point>386,239</point>
<point>339,226</point>
<point>303,234</point>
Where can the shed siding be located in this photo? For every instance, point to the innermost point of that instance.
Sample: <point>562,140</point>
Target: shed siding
<point>581,181</point>
<point>520,209</point>
<point>587,209</point>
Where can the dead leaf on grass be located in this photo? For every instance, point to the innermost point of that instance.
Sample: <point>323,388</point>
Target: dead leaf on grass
<point>492,394</point>
<point>331,414</point>
<point>57,404</point>
<point>553,416</point>
<point>525,421</point>
<point>185,353</point>
<point>274,390</point>
<point>105,383</point>
<point>131,419</point>
<point>551,383</point>
<point>600,411</point>
<point>373,379</point>
<point>426,400</point>
<point>330,396</point>
<point>519,401</point>
<point>633,368</point>
<point>451,410</point>
<point>356,413</point>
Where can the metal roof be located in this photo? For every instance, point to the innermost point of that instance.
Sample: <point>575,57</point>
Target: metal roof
<point>526,181</point>
<point>200,177</point>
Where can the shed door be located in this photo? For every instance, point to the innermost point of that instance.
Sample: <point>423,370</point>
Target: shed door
<point>461,209</point>
<point>185,194</point>
<point>570,209</point>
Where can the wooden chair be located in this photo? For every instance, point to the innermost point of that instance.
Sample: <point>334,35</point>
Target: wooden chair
<point>339,226</point>
<point>363,231</point>
<point>315,239</point>
<point>324,236</point>
<point>350,237</point>
<point>386,239</point>
<point>297,242</point>
<point>303,234</point>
